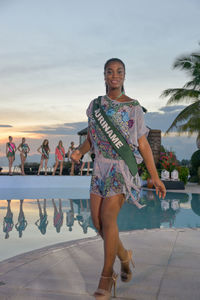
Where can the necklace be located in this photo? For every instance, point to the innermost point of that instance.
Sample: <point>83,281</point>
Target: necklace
<point>122,93</point>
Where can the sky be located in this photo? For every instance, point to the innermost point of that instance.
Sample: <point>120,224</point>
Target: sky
<point>53,52</point>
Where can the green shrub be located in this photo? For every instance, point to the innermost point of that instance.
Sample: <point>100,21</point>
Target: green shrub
<point>195,161</point>
<point>183,174</point>
<point>199,175</point>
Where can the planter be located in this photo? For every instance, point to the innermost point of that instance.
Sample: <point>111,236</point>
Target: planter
<point>149,183</point>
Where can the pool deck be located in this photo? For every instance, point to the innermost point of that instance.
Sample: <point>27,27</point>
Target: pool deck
<point>167,267</point>
<point>167,263</point>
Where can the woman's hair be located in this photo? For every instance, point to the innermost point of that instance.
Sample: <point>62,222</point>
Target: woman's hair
<point>114,60</point>
<point>10,137</point>
<point>60,142</point>
<point>43,144</point>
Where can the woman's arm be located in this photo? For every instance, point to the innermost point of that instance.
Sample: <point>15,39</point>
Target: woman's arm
<point>83,148</point>
<point>18,148</point>
<point>147,155</point>
<point>38,150</point>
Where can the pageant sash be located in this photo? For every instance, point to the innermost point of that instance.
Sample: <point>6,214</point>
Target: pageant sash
<point>114,137</point>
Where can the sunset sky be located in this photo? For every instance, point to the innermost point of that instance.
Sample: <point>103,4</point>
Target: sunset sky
<point>52,55</point>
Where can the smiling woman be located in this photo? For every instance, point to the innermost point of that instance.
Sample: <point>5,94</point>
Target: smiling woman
<point>116,130</point>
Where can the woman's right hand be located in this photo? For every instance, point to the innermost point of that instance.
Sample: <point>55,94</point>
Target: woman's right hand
<point>76,155</point>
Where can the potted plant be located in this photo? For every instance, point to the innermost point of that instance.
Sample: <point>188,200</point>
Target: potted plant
<point>146,176</point>
<point>168,161</point>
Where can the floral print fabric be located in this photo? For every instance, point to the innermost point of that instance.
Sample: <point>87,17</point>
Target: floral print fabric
<point>111,175</point>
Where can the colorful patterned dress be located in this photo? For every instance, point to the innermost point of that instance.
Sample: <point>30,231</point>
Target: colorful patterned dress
<point>111,175</point>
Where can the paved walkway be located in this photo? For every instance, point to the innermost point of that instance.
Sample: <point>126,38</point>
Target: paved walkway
<point>167,268</point>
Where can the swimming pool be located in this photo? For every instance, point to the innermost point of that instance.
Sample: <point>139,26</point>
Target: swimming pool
<point>29,224</point>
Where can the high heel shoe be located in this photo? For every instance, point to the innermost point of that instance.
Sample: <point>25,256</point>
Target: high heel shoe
<point>102,294</point>
<point>126,277</point>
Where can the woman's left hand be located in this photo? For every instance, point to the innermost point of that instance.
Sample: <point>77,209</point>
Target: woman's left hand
<point>160,187</point>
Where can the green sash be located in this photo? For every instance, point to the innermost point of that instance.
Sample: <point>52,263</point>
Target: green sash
<point>114,137</point>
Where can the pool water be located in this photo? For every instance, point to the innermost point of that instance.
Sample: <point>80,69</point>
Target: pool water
<point>27,224</point>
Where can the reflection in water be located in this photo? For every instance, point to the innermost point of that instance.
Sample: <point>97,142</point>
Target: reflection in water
<point>70,216</point>
<point>22,223</point>
<point>58,215</point>
<point>42,222</point>
<point>8,221</point>
<point>195,204</point>
<point>84,216</point>
<point>177,210</point>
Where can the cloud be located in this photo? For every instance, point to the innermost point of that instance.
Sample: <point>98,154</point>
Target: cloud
<point>65,129</point>
<point>163,118</point>
<point>172,109</point>
<point>6,126</point>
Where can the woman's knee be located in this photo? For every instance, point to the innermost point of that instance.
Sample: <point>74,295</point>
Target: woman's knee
<point>96,224</point>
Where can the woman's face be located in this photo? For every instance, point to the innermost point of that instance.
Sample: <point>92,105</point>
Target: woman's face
<point>10,139</point>
<point>114,75</point>
<point>23,140</point>
<point>46,142</point>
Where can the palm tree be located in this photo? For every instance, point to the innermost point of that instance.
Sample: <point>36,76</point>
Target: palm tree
<point>188,120</point>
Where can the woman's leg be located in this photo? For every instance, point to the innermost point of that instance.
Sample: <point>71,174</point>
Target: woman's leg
<point>10,164</point>
<point>95,207</point>
<point>23,158</point>
<point>55,168</point>
<point>82,166</point>
<point>72,168</point>
<point>40,167</point>
<point>61,167</point>
<point>108,210</point>
<point>46,162</point>
<point>88,168</point>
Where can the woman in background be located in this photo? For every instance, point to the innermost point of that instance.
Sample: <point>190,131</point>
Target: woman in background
<point>70,150</point>
<point>44,150</point>
<point>24,149</point>
<point>59,157</point>
<point>86,159</point>
<point>10,153</point>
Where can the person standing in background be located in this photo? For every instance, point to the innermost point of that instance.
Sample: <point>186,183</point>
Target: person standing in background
<point>59,157</point>
<point>24,149</point>
<point>70,150</point>
<point>86,159</point>
<point>44,150</point>
<point>10,153</point>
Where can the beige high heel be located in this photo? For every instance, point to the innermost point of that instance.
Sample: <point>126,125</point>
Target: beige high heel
<point>126,277</point>
<point>102,294</point>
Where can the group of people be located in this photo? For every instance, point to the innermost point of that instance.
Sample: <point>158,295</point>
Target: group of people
<point>44,150</point>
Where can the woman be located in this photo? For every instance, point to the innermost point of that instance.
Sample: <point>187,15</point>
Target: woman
<point>10,153</point>
<point>60,157</point>
<point>44,150</point>
<point>113,180</point>
<point>24,149</point>
<point>70,150</point>
<point>86,159</point>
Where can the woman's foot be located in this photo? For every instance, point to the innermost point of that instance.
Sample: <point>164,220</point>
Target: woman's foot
<point>126,273</point>
<point>105,286</point>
